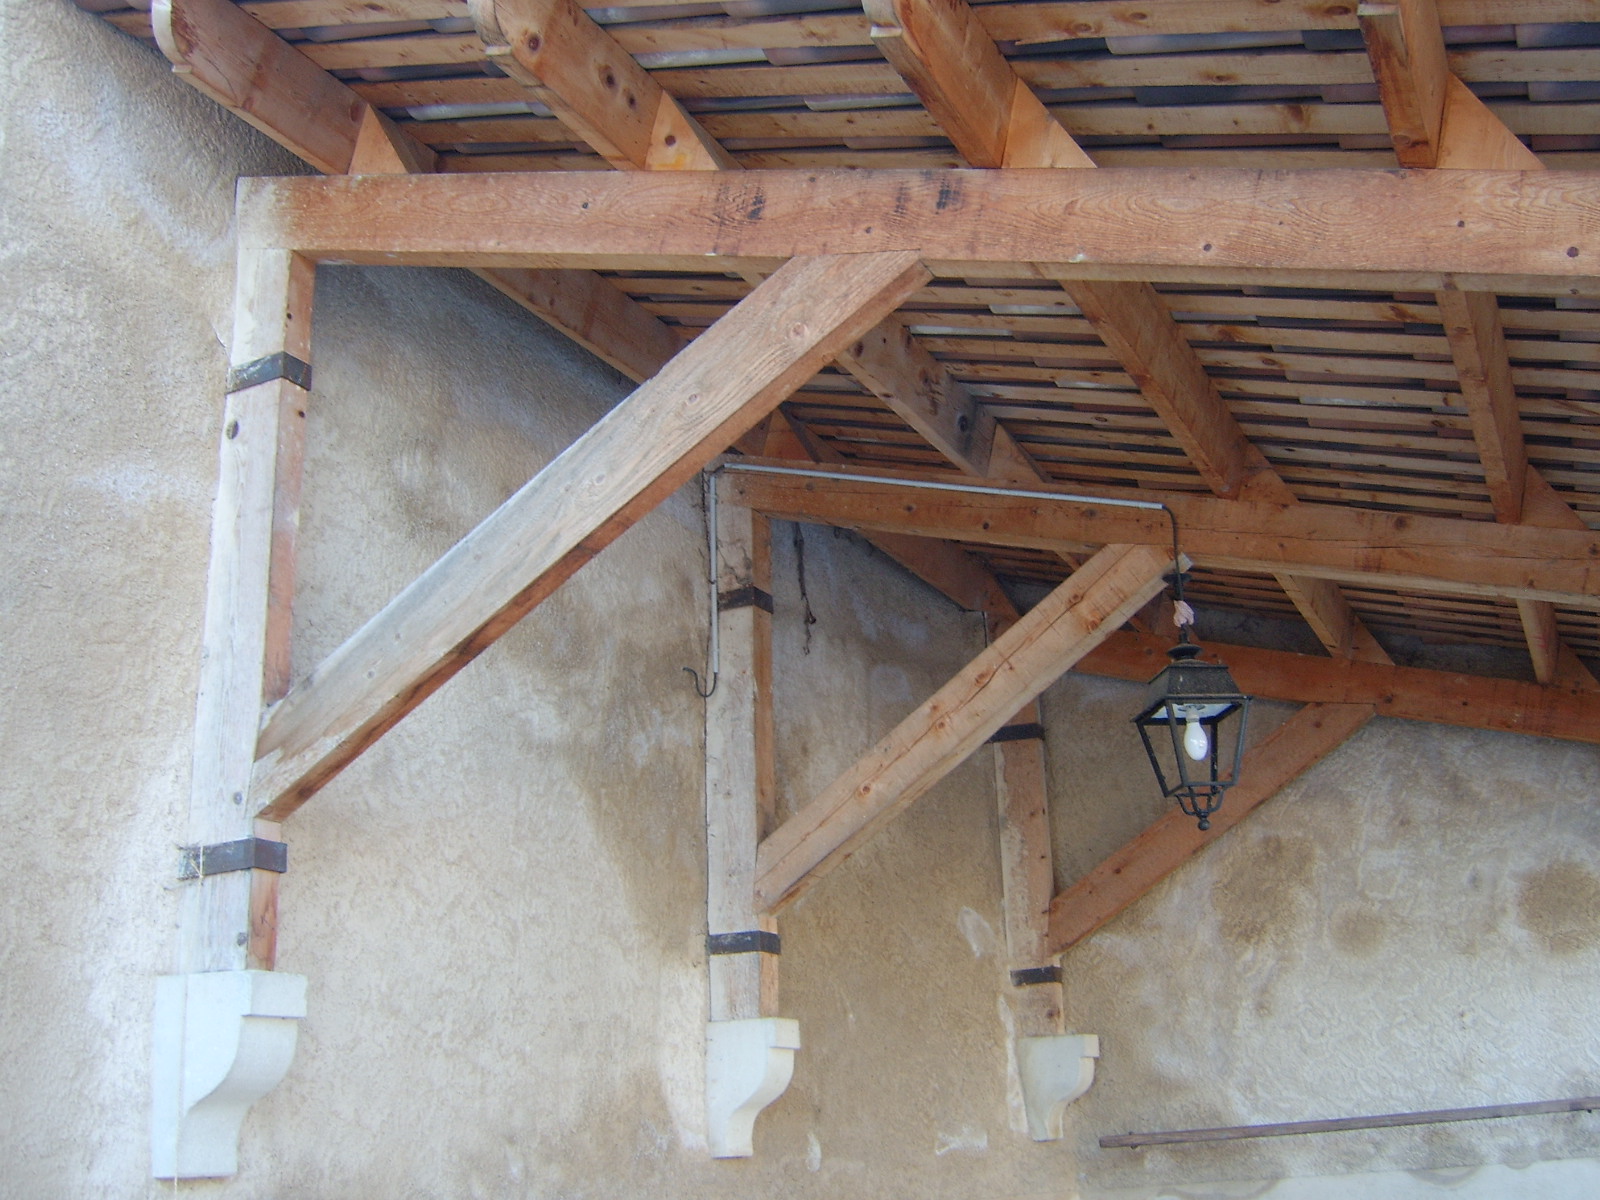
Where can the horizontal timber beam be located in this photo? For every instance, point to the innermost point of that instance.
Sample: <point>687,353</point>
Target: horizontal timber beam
<point>1380,549</point>
<point>1412,693</point>
<point>1514,231</point>
<point>632,459</point>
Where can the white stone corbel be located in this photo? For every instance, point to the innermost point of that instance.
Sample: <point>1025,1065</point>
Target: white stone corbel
<point>223,1040</point>
<point>1055,1069</point>
<point>748,1065</point>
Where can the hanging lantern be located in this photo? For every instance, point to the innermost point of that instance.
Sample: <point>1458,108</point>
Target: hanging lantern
<point>1188,731</point>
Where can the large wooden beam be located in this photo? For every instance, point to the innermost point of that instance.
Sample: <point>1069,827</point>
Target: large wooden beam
<point>639,453</point>
<point>1381,549</point>
<point>943,52</point>
<point>958,718</point>
<point>1406,46</point>
<point>231,57</point>
<point>596,88</point>
<point>1478,345</point>
<point>1537,232</point>
<point>230,921</point>
<point>1127,874</point>
<point>741,791</point>
<point>1412,693</point>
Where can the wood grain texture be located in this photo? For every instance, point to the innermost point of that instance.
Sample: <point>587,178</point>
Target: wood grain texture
<point>636,456</point>
<point>1406,45</point>
<point>229,921</point>
<point>1484,230</point>
<point>956,720</point>
<point>1383,549</point>
<point>1129,872</point>
<point>740,781</point>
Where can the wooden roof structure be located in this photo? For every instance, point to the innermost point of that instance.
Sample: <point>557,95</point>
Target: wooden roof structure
<point>1320,278</point>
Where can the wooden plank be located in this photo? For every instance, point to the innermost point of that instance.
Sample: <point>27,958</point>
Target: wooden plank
<point>1340,1124</point>
<point>638,454</point>
<point>268,83</point>
<point>1382,549</point>
<point>1406,46</point>
<point>741,790</point>
<point>579,71</point>
<point>897,369</point>
<point>1412,693</point>
<point>223,52</point>
<point>956,720</point>
<point>1478,345</point>
<point>1476,137</point>
<point>1537,232</point>
<point>229,922</point>
<point>1131,871</point>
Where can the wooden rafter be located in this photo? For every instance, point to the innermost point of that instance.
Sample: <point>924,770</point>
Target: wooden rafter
<point>956,720</point>
<point>638,454</point>
<point>1380,549</point>
<point>1435,121</point>
<point>995,120</point>
<point>1533,233</point>
<point>599,91</point>
<point>227,54</point>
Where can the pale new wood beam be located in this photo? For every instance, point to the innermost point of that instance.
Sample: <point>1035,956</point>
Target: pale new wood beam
<point>1411,693</point>
<point>599,90</point>
<point>238,62</point>
<point>1406,47</point>
<point>1131,871</point>
<point>994,119</point>
<point>924,747</point>
<point>1351,545</point>
<point>637,455</point>
<point>1532,232</point>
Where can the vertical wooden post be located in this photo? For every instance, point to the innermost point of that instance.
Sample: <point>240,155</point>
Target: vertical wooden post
<point>230,920</point>
<point>1027,871</point>
<point>739,768</point>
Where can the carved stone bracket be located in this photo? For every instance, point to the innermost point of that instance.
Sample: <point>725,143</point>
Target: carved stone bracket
<point>748,1065</point>
<point>223,1040</point>
<point>1055,1071</point>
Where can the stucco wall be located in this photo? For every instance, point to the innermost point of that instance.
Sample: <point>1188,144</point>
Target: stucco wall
<point>500,908</point>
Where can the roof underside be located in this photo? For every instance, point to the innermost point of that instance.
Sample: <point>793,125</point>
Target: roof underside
<point>1353,397</point>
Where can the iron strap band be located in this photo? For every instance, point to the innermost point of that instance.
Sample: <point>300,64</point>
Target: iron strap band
<point>1033,975</point>
<point>745,597</point>
<point>281,365</point>
<point>247,854</point>
<point>747,941</point>
<point>1018,733</point>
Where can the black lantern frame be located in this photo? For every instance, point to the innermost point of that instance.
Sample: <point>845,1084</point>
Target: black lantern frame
<point>1205,693</point>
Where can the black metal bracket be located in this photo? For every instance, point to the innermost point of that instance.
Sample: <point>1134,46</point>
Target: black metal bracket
<point>1018,733</point>
<point>745,597</point>
<point>1034,975</point>
<point>281,365</point>
<point>247,854</point>
<point>748,941</point>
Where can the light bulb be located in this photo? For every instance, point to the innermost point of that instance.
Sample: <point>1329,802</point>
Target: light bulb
<point>1195,742</point>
